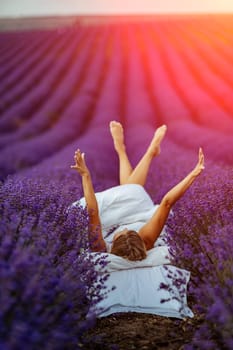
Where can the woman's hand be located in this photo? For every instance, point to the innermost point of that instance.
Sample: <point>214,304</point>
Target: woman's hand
<point>200,165</point>
<point>80,164</point>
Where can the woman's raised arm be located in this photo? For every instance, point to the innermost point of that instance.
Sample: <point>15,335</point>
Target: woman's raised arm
<point>96,237</point>
<point>152,229</point>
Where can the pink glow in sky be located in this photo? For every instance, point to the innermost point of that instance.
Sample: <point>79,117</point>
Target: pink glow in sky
<point>80,7</point>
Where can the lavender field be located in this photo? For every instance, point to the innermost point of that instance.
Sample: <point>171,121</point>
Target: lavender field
<point>59,89</point>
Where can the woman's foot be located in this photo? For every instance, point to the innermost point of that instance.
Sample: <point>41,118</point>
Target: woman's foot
<point>154,148</point>
<point>117,133</point>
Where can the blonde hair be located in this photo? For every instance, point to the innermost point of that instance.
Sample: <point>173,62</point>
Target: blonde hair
<point>129,246</point>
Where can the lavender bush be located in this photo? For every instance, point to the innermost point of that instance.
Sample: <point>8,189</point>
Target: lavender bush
<point>200,240</point>
<point>46,280</point>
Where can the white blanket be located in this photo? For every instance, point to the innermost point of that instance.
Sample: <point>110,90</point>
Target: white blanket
<point>137,283</point>
<point>138,286</point>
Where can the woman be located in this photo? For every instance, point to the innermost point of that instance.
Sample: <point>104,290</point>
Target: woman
<point>126,242</point>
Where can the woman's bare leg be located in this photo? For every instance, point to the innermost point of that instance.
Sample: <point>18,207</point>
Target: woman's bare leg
<point>125,168</point>
<point>139,174</point>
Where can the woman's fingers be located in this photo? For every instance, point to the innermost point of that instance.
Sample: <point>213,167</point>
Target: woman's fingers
<point>201,158</point>
<point>77,159</point>
<point>80,165</point>
<point>83,158</point>
<point>77,155</point>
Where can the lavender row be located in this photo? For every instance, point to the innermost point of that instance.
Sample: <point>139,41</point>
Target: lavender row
<point>165,104</point>
<point>217,147</point>
<point>63,77</point>
<point>202,107</point>
<point>168,107</point>
<point>6,44</point>
<point>18,65</point>
<point>215,37</point>
<point>40,68</point>
<point>215,59</point>
<point>108,107</point>
<point>137,104</point>
<point>224,26</point>
<point>17,47</point>
<point>110,104</point>
<point>200,237</point>
<point>167,101</point>
<point>46,282</point>
<point>68,127</point>
<point>31,101</point>
<point>62,291</point>
<point>130,93</point>
<point>11,49</point>
<point>57,280</point>
<point>216,85</point>
<point>18,112</point>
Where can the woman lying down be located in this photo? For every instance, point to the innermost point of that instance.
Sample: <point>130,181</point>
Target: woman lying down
<point>122,205</point>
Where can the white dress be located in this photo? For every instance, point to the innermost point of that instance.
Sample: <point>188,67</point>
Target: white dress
<point>120,207</point>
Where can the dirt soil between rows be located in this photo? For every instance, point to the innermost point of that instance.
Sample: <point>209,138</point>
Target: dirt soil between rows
<point>128,331</point>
